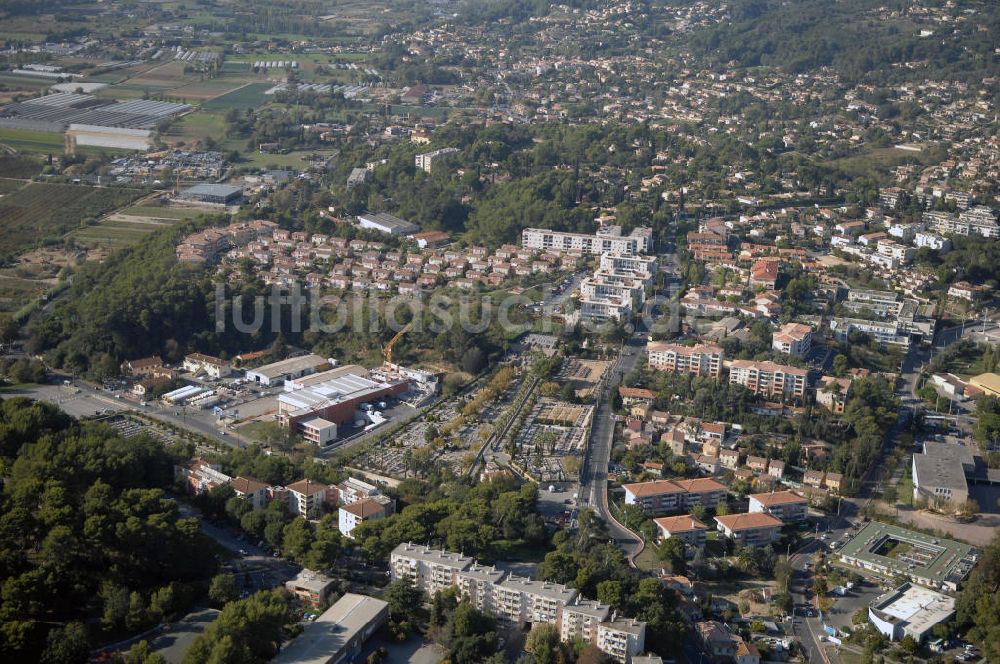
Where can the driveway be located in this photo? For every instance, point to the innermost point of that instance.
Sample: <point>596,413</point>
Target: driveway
<point>173,643</point>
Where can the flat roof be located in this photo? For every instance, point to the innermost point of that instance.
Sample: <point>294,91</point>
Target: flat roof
<point>223,190</point>
<point>940,559</point>
<point>916,607</point>
<point>435,556</point>
<point>483,573</point>
<point>388,221</point>
<point>290,365</point>
<point>323,640</point>
<point>310,580</point>
<point>937,471</point>
<point>546,589</point>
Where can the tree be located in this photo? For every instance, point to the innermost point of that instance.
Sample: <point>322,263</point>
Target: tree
<point>222,589</point>
<point>67,645</point>
<point>840,365</point>
<point>610,593</point>
<point>909,645</point>
<point>672,552</point>
<point>247,631</point>
<point>403,597</point>
<point>543,642</point>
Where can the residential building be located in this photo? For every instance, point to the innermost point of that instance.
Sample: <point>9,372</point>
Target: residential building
<point>581,617</point>
<point>793,338</point>
<point>312,588</point>
<point>430,570</point>
<point>607,240</point>
<point>306,498</point>
<point>525,600</point>
<point>200,476</point>
<point>785,505</point>
<point>622,638</point>
<point>769,378</point>
<point>688,529</point>
<point>212,367</point>
<point>254,491</point>
<point>426,161</point>
<point>751,529</point>
<point>350,516</point>
<point>697,360</point>
<point>833,393</point>
<point>146,366</point>
<point>477,584</point>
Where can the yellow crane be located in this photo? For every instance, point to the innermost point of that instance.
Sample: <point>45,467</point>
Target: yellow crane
<point>387,349</point>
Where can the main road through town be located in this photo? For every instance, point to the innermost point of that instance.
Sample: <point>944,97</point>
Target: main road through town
<point>594,474</point>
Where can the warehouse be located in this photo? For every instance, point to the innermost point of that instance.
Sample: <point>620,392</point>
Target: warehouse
<point>387,223</point>
<point>336,400</point>
<point>214,194</point>
<point>338,634</point>
<point>288,369</point>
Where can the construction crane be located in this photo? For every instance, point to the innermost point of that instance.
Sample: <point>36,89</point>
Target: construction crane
<point>387,349</point>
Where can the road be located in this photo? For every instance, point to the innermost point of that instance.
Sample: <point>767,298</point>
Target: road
<point>594,474</point>
<point>807,628</point>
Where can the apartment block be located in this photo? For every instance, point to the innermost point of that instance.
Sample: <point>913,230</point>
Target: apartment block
<point>698,360</point>
<point>785,505</point>
<point>607,240</point>
<point>751,529</point>
<point>769,378</point>
<point>686,528</point>
<point>674,495</point>
<point>793,338</point>
<point>430,570</point>
<point>622,639</point>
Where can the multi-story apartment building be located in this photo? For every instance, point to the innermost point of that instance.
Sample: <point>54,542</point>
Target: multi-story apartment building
<point>623,638</point>
<point>793,339</point>
<point>698,360</point>
<point>524,600</point>
<point>306,498</point>
<point>427,160</point>
<point>888,333</point>
<point>978,220</point>
<point>430,570</point>
<point>640,267</point>
<point>612,285</point>
<point>477,584</point>
<point>784,505</point>
<point>686,528</point>
<point>517,599</point>
<point>752,529</point>
<point>581,617</point>
<point>674,495</point>
<point>769,378</point>
<point>607,240</point>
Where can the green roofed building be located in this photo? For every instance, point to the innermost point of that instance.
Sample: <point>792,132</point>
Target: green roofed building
<point>893,551</point>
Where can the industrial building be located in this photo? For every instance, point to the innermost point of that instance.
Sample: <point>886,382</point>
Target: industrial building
<point>910,611</point>
<point>387,223</point>
<point>89,120</point>
<point>336,400</point>
<point>213,194</point>
<point>288,369</point>
<point>338,634</point>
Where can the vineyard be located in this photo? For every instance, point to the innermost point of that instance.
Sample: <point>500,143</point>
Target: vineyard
<point>48,211</point>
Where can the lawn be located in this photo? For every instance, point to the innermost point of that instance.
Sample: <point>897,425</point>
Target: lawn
<point>249,96</point>
<point>195,127</point>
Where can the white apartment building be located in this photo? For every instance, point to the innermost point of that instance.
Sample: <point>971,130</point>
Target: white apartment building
<point>623,639</point>
<point>517,599</point>
<point>607,240</point>
<point>900,253</point>
<point>581,617</point>
<point>698,360</point>
<point>979,220</point>
<point>884,332</point>
<point>793,339</point>
<point>426,161</point>
<point>641,267</point>
<point>769,378</point>
<point>430,570</point>
<point>932,241</point>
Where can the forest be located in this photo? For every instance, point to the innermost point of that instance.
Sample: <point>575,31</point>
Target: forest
<point>91,548</point>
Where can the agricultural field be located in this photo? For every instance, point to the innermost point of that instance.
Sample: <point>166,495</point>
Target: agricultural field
<point>49,211</point>
<point>15,292</point>
<point>249,96</point>
<point>8,186</point>
<point>19,167</point>
<point>44,143</point>
<point>195,127</point>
